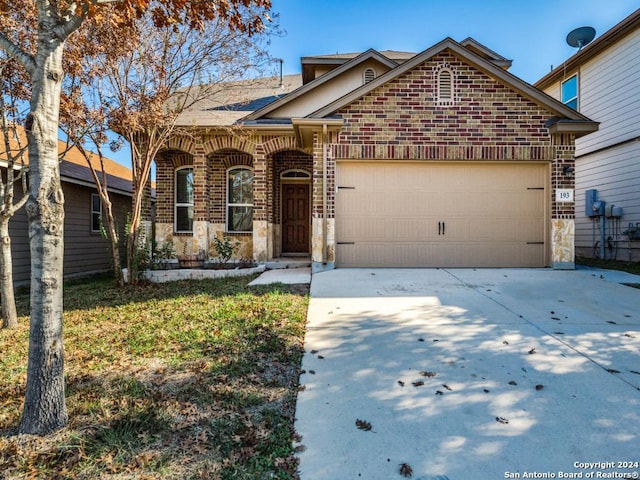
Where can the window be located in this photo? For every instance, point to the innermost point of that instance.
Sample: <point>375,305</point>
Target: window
<point>184,200</point>
<point>240,200</point>
<point>570,92</point>
<point>445,86</point>
<point>369,75</point>
<point>96,213</point>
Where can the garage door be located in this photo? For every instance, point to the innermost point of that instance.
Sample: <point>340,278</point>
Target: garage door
<point>412,214</point>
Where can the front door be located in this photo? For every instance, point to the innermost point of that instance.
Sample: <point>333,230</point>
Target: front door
<point>295,218</point>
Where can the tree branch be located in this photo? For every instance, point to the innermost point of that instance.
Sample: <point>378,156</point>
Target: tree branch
<point>26,60</point>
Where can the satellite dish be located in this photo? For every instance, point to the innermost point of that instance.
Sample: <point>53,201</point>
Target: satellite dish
<point>581,36</point>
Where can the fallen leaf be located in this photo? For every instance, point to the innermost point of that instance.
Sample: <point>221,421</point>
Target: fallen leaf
<point>555,318</point>
<point>439,392</point>
<point>532,351</point>
<point>513,382</point>
<point>504,342</point>
<point>539,387</point>
<point>486,390</point>
<point>312,372</point>
<point>447,387</point>
<point>363,425</point>
<point>611,322</point>
<point>629,335</point>
<point>419,383</point>
<point>501,420</point>
<point>428,374</point>
<point>421,339</point>
<point>320,357</point>
<point>401,383</point>
<point>406,470</point>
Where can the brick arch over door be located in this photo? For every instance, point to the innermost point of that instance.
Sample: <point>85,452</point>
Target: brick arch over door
<point>287,160</point>
<point>167,162</point>
<point>219,162</point>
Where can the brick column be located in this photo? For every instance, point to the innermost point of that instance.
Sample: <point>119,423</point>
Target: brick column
<point>260,221</point>
<point>200,198</point>
<point>563,213</point>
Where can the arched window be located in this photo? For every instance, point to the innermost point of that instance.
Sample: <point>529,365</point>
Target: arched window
<point>369,75</point>
<point>240,199</point>
<point>183,217</point>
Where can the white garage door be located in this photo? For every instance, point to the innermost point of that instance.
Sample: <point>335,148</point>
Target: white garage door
<point>418,214</point>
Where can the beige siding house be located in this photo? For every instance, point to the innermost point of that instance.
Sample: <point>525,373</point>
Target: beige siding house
<point>606,75</point>
<point>86,251</point>
<point>379,159</point>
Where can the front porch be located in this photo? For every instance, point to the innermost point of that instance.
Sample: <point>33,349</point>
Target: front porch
<point>265,197</point>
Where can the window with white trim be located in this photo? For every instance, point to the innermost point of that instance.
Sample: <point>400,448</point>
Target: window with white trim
<point>240,200</point>
<point>570,92</point>
<point>183,218</point>
<point>369,75</point>
<point>96,213</point>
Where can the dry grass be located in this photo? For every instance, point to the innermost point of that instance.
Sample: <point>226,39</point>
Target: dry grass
<point>176,381</point>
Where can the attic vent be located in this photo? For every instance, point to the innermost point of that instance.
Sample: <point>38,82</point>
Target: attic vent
<point>369,75</point>
<point>445,85</point>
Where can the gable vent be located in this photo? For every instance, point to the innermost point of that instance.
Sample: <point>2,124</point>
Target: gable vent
<point>445,85</point>
<point>369,75</point>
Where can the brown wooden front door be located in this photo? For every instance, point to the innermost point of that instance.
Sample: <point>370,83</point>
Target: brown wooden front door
<point>295,218</point>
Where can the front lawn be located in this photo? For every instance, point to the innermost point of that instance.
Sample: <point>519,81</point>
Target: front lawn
<point>181,380</point>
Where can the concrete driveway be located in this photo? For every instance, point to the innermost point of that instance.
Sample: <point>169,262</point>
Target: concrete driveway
<point>470,374</point>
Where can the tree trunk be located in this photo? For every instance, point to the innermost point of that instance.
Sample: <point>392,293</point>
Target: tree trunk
<point>9,314</point>
<point>113,237</point>
<point>44,406</point>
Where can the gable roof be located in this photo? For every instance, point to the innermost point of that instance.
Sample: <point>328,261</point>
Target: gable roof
<point>610,37</point>
<point>579,123</point>
<point>323,79</point>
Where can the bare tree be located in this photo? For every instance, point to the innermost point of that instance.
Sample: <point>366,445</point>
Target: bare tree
<point>168,71</point>
<point>11,85</point>
<point>34,34</point>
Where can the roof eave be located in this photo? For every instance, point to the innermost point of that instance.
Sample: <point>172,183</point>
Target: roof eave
<point>577,128</point>
<point>369,54</point>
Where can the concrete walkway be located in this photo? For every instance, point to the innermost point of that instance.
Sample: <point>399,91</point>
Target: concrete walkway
<point>284,275</point>
<point>470,374</point>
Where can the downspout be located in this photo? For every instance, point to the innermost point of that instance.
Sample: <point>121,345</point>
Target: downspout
<point>324,194</point>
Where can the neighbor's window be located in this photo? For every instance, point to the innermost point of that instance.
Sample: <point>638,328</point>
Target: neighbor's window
<point>184,200</point>
<point>570,92</point>
<point>240,200</point>
<point>96,213</point>
<point>369,75</point>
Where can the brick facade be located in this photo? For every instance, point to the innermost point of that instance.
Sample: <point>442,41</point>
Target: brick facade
<point>403,119</point>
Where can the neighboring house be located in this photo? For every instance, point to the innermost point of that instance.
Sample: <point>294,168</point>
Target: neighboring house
<point>381,159</point>
<point>85,249</point>
<point>602,81</point>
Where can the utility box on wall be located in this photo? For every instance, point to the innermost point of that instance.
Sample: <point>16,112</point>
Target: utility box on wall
<point>592,207</point>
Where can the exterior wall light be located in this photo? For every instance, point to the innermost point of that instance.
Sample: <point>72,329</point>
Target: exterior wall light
<point>568,171</point>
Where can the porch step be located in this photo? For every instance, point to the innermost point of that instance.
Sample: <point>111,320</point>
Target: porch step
<point>288,262</point>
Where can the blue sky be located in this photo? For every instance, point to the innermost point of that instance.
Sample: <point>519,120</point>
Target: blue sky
<point>532,33</point>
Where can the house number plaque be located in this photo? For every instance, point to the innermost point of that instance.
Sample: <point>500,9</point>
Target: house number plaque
<point>564,195</point>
